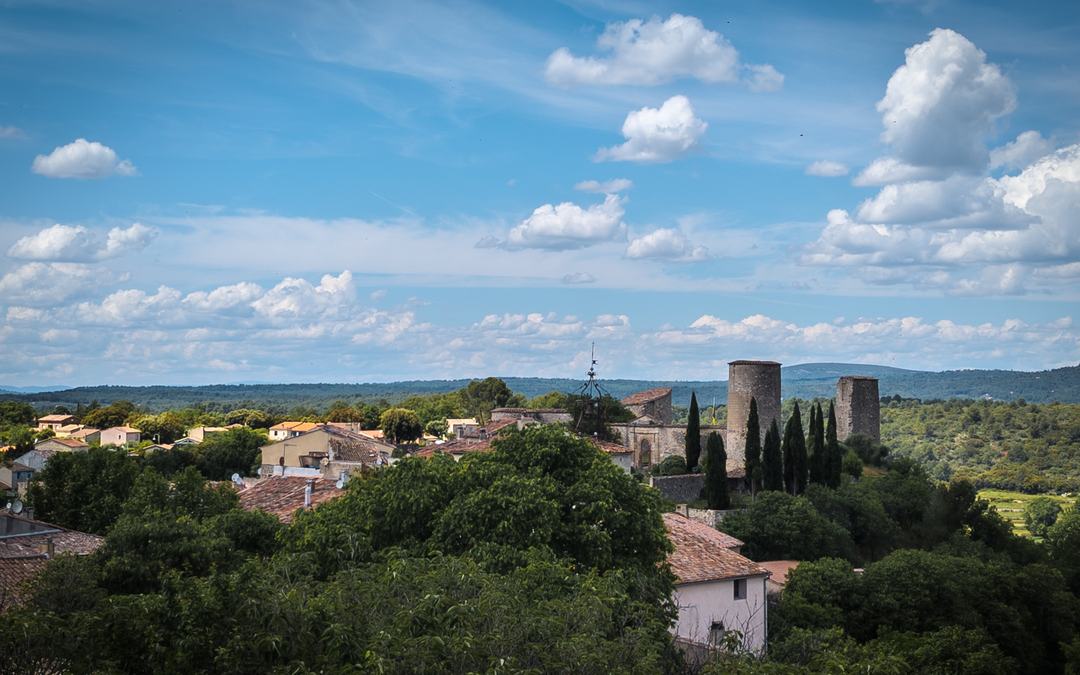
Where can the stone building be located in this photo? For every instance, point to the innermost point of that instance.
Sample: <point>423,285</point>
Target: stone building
<point>651,442</point>
<point>759,380</point>
<point>858,407</point>
<point>532,415</point>
<point>652,403</point>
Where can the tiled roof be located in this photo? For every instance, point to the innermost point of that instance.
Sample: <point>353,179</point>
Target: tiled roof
<point>73,443</point>
<point>780,570</point>
<point>528,410</point>
<point>609,447</point>
<point>69,428</point>
<point>125,429</point>
<point>297,426</point>
<point>37,537</point>
<point>84,432</point>
<point>281,496</point>
<point>641,397</point>
<point>14,573</point>
<point>55,418</point>
<point>703,553</point>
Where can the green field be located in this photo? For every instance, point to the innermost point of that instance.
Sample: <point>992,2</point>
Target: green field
<point>1011,505</point>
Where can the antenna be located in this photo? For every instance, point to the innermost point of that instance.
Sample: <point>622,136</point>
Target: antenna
<point>16,507</point>
<point>592,391</point>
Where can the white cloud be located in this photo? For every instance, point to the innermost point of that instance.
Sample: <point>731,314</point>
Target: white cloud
<point>568,226</point>
<point>666,244</point>
<point>958,202</point>
<point>224,297</point>
<point>578,278</point>
<point>940,106</point>
<point>75,243</point>
<point>657,51</point>
<point>1028,147</point>
<point>885,170</point>
<point>82,159</point>
<point>605,187</point>
<point>300,298</point>
<point>826,168</point>
<point>657,134</point>
<point>47,284</point>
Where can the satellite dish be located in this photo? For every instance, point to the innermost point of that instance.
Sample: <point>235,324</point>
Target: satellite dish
<point>237,479</point>
<point>340,484</point>
<point>16,506</point>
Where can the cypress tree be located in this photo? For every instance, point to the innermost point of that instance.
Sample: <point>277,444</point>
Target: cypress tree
<point>693,434</point>
<point>753,449</point>
<point>772,464</point>
<point>716,489</point>
<point>794,451</point>
<point>832,450</point>
<point>819,459</point>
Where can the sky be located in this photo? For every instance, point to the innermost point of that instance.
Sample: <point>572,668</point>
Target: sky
<point>336,191</point>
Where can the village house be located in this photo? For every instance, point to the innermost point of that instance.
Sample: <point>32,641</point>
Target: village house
<point>26,545</point>
<point>780,571</point>
<point>54,422</point>
<point>15,478</point>
<point>324,450</point>
<point>280,432</point>
<point>87,435</point>
<point>459,427</point>
<point>61,445</point>
<point>199,434</point>
<point>120,436</point>
<point>720,594</point>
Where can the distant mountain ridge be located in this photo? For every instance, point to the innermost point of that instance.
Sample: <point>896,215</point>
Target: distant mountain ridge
<point>806,380</point>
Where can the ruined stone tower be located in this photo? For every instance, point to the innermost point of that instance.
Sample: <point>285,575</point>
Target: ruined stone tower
<point>858,408</point>
<point>759,380</point>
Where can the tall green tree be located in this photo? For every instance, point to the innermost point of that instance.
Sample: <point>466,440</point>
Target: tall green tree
<point>716,487</point>
<point>693,434</point>
<point>833,452</point>
<point>400,425</point>
<point>819,456</point>
<point>794,451</point>
<point>753,449</point>
<point>772,460</point>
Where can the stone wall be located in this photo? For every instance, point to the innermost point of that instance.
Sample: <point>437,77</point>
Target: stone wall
<point>858,407</point>
<point>652,443</point>
<point>679,489</point>
<point>759,380</point>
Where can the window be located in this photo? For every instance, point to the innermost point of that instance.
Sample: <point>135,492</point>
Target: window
<point>716,633</point>
<point>740,589</point>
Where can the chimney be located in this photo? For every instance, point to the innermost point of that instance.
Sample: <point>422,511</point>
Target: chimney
<point>308,489</point>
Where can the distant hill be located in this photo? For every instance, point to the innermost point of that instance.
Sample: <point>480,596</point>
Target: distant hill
<point>12,389</point>
<point>804,380</point>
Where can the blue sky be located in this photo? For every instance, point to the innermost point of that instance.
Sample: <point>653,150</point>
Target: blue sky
<point>358,191</point>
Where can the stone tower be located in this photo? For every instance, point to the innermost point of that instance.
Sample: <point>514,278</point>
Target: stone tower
<point>759,380</point>
<point>858,407</point>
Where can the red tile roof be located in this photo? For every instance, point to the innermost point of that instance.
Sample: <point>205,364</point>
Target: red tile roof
<point>703,553</point>
<point>282,496</point>
<point>780,570</point>
<point>26,537</point>
<point>609,447</point>
<point>55,418</point>
<point>70,442</point>
<point>14,573</point>
<point>641,397</point>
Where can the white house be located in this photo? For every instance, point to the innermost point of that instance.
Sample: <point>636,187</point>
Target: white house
<point>720,594</point>
<point>120,436</point>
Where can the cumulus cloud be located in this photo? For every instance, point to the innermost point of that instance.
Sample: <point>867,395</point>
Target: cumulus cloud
<point>657,134</point>
<point>666,244</point>
<point>940,106</point>
<point>300,298</point>
<point>826,168</point>
<point>568,225</point>
<point>82,159</point>
<point>885,170</point>
<point>958,202</point>
<point>75,243</point>
<point>224,297</point>
<point>605,187</point>
<point>47,284</point>
<point>657,51</point>
<point>1025,149</point>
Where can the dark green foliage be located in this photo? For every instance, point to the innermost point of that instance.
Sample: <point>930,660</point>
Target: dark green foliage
<point>222,454</point>
<point>113,415</point>
<point>1063,540</point>
<point>754,472</point>
<point>481,396</point>
<point>163,428</point>
<point>772,462</point>
<point>870,452</point>
<point>673,465</point>
<point>83,491</point>
<point>592,417</point>
<point>794,451</point>
<point>1040,514</point>
<point>400,425</point>
<point>834,465</point>
<point>818,453</point>
<point>716,487</point>
<point>693,433</point>
<point>16,413</point>
<point>778,526</point>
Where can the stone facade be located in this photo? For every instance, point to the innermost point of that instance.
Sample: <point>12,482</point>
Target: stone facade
<point>540,415</point>
<point>653,403</point>
<point>759,380</point>
<point>858,407</point>
<point>651,443</point>
<point>679,489</point>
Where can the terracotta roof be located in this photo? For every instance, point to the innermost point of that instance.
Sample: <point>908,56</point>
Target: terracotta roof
<point>84,432</point>
<point>372,433</point>
<point>14,573</point>
<point>609,447</point>
<point>641,397</point>
<point>55,418</point>
<point>20,537</point>
<point>282,496</point>
<point>529,410</point>
<point>780,570</point>
<point>69,442</point>
<point>125,429</point>
<point>703,553</point>
<point>297,426</point>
